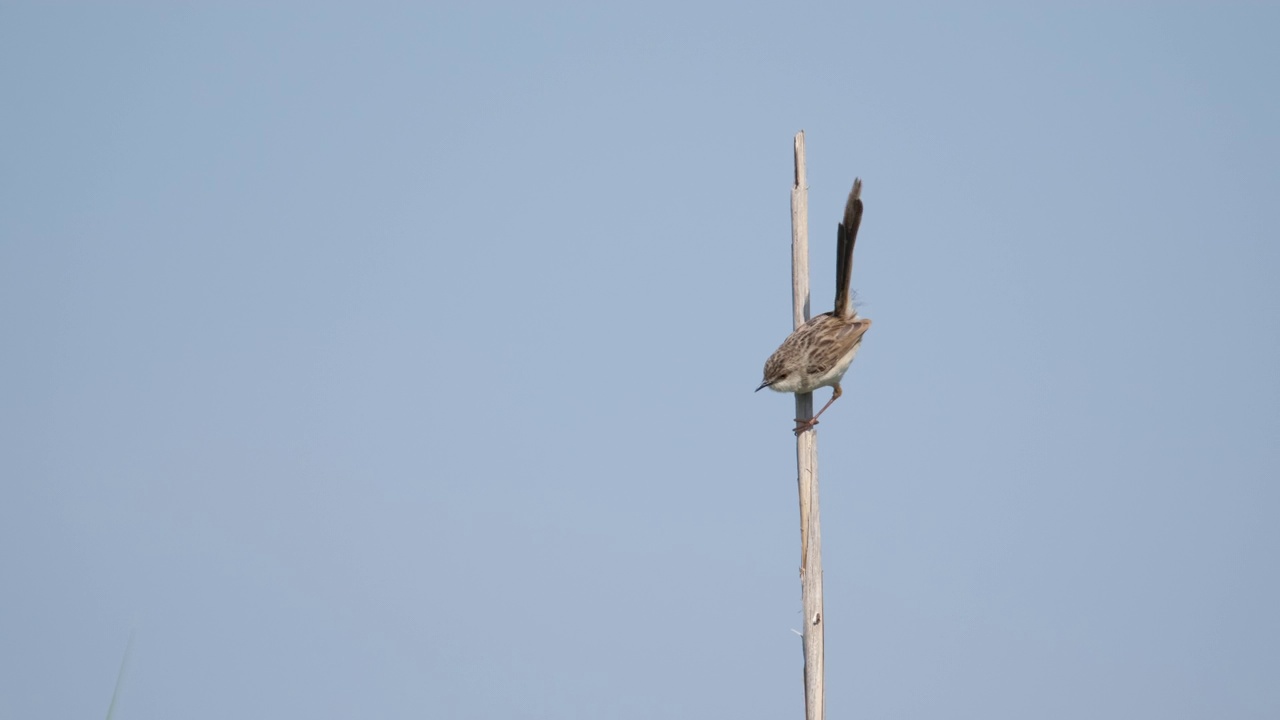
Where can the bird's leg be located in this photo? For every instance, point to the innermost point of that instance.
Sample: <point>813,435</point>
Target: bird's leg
<point>836,392</point>
<point>802,425</point>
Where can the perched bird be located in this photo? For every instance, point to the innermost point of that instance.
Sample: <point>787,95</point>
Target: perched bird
<point>819,352</point>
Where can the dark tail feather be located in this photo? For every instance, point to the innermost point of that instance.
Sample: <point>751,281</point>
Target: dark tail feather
<point>846,236</point>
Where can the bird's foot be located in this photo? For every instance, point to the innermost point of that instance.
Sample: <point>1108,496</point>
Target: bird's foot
<point>802,425</point>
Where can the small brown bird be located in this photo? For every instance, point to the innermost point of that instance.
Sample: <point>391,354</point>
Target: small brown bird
<point>819,352</point>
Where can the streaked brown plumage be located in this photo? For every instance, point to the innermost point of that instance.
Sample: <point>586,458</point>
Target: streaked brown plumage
<point>819,352</point>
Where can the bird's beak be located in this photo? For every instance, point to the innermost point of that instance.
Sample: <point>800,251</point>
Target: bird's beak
<point>763,385</point>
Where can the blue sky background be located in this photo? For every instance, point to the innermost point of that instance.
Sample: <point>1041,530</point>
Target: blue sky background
<point>397,361</point>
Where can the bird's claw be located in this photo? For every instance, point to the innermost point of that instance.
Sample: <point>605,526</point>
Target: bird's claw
<point>802,425</point>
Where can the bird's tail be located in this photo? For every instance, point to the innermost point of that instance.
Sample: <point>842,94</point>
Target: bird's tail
<point>846,235</point>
